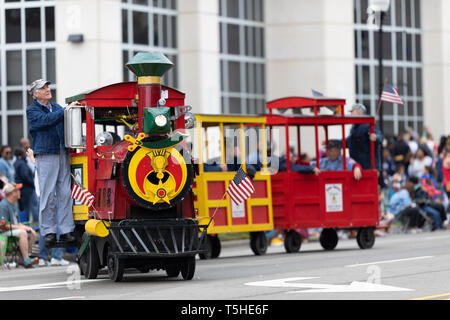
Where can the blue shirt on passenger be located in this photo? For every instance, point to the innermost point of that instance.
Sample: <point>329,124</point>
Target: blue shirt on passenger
<point>336,165</point>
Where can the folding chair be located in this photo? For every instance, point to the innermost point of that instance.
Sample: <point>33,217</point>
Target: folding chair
<point>13,255</point>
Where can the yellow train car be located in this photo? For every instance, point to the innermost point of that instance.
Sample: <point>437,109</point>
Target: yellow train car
<point>237,136</point>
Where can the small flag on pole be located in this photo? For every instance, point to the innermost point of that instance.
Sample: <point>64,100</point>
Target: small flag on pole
<point>82,195</point>
<point>390,94</point>
<point>241,187</point>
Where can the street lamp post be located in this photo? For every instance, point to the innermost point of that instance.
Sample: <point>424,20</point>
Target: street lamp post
<point>378,9</point>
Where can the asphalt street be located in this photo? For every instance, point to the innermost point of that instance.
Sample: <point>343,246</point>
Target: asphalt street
<point>398,267</point>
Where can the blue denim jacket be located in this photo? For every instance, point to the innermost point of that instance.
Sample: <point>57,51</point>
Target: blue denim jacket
<point>46,128</point>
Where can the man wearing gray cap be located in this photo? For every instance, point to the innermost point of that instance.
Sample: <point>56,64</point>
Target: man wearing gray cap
<point>46,124</point>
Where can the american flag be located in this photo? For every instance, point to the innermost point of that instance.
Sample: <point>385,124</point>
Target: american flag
<point>82,195</point>
<point>241,187</point>
<point>390,94</point>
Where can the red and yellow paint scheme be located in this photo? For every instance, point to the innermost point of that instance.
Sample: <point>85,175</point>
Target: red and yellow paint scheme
<point>131,155</point>
<point>255,214</point>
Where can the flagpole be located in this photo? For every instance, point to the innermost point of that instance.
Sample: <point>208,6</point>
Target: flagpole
<point>79,185</point>
<point>381,101</point>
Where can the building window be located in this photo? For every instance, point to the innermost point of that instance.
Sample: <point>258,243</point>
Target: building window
<point>150,25</point>
<point>242,56</point>
<point>402,64</point>
<point>27,53</point>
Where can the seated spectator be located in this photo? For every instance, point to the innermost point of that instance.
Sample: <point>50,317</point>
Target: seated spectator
<point>401,206</point>
<point>6,163</point>
<point>429,184</point>
<point>334,161</point>
<point>432,207</point>
<point>417,165</point>
<point>9,213</point>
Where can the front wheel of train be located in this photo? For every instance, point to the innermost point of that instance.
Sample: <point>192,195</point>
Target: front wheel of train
<point>366,237</point>
<point>292,241</point>
<point>188,268</point>
<point>89,261</point>
<point>258,243</point>
<point>116,267</point>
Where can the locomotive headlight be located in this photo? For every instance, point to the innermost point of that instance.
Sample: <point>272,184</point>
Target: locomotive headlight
<point>189,119</point>
<point>161,120</point>
<point>156,120</point>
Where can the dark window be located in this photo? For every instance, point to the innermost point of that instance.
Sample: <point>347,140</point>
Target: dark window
<point>51,65</point>
<point>12,23</point>
<point>233,8</point>
<point>14,68</point>
<point>124,26</point>
<point>50,24</point>
<point>14,100</point>
<point>234,76</point>
<point>15,130</point>
<point>140,27</point>
<point>34,65</point>
<point>233,38</point>
<point>33,24</point>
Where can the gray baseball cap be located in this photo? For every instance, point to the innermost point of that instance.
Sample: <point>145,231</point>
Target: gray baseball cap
<point>359,107</point>
<point>37,84</point>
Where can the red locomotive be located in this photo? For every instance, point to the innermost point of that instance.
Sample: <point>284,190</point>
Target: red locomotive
<point>128,149</point>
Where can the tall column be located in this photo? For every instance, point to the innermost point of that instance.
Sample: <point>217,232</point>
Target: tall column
<point>95,62</point>
<point>436,66</point>
<point>310,45</point>
<point>199,54</point>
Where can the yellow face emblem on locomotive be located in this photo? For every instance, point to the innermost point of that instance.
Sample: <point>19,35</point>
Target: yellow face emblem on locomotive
<point>157,175</point>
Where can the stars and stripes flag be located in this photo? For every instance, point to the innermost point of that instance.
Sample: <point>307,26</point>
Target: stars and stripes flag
<point>390,94</point>
<point>241,187</point>
<point>82,195</point>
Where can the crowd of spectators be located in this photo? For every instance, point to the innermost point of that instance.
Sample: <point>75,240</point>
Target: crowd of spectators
<point>415,188</point>
<point>17,168</point>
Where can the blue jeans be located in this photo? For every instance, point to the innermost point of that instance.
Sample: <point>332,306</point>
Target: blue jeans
<point>53,172</point>
<point>437,221</point>
<point>44,252</point>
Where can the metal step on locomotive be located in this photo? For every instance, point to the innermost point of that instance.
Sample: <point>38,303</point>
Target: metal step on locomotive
<point>127,147</point>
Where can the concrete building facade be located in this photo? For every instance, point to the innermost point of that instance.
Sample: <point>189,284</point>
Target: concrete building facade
<point>230,55</point>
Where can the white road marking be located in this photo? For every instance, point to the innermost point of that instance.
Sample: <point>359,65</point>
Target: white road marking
<point>54,285</point>
<point>388,261</point>
<point>69,298</point>
<point>355,286</point>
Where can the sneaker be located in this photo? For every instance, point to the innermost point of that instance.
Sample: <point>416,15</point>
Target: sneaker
<point>59,262</point>
<point>43,263</point>
<point>29,262</point>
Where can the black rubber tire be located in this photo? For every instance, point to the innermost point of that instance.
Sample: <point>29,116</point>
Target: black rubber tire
<point>258,243</point>
<point>328,239</point>
<point>89,262</point>
<point>366,237</point>
<point>172,270</point>
<point>292,241</point>
<point>116,268</point>
<point>188,268</point>
<point>213,248</point>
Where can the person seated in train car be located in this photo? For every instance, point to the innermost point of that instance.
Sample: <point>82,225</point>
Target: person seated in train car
<point>334,161</point>
<point>304,159</point>
<point>300,168</point>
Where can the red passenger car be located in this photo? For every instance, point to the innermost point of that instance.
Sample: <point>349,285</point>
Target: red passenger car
<point>332,200</point>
